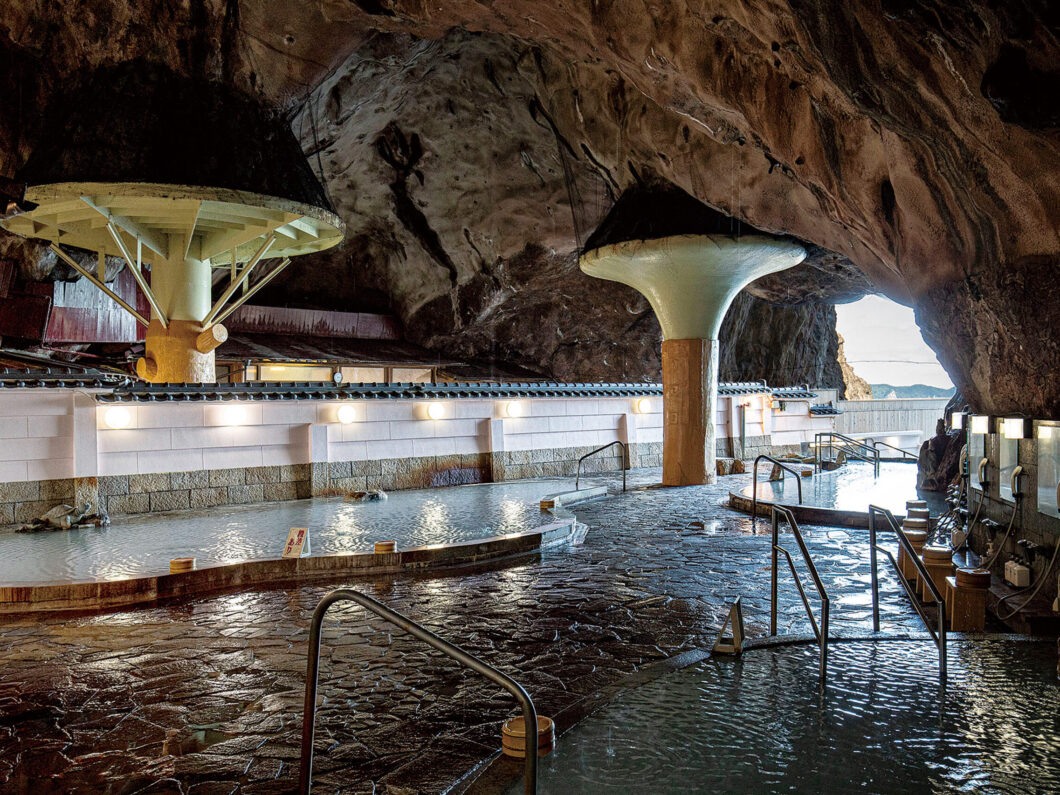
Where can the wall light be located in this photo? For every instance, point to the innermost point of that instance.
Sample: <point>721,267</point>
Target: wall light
<point>233,415</point>
<point>981,423</point>
<point>435,411</point>
<point>1045,432</point>
<point>346,414</point>
<point>644,406</point>
<point>957,420</point>
<point>117,417</point>
<point>1015,427</point>
<point>514,408</point>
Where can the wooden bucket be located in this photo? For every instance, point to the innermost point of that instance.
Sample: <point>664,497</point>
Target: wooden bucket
<point>178,565</point>
<point>513,737</point>
<point>973,578</point>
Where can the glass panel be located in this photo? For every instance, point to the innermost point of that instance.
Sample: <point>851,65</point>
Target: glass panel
<point>1008,459</point>
<point>976,453</point>
<point>293,372</point>
<point>407,375</point>
<point>363,375</point>
<point>1048,467</point>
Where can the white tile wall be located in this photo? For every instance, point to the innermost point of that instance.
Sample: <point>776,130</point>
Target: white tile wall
<point>37,426</point>
<point>175,437</point>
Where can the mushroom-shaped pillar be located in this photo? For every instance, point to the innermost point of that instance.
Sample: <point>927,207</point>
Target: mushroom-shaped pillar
<point>178,241</point>
<point>690,280</point>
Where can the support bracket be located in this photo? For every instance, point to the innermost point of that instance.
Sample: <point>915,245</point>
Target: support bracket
<point>106,290</point>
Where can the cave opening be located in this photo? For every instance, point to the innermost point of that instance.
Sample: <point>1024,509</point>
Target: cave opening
<point>884,354</point>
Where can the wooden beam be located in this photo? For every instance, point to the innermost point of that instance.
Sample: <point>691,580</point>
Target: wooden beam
<point>248,295</point>
<point>150,240</point>
<point>233,285</point>
<point>106,290</point>
<point>191,230</point>
<point>218,242</point>
<point>138,274</point>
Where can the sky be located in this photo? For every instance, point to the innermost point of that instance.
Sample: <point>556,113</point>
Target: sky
<point>884,346</point>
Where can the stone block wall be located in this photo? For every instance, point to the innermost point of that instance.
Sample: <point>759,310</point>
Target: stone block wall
<point>176,491</point>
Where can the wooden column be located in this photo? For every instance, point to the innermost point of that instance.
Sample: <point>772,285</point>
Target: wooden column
<point>690,393</point>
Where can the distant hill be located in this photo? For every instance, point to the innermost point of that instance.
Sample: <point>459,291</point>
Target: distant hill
<point>890,392</point>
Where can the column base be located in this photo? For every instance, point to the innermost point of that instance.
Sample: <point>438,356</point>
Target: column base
<point>180,354</point>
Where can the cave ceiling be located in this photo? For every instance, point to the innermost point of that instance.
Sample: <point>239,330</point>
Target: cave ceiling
<point>473,146</point>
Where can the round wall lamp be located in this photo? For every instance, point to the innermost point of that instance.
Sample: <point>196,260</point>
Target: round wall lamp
<point>346,414</point>
<point>117,417</point>
<point>435,411</point>
<point>233,415</point>
<point>514,408</point>
<point>644,406</point>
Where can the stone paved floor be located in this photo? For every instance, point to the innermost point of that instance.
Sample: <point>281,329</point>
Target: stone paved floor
<point>205,697</point>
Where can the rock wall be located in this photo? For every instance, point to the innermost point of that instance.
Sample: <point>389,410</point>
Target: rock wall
<point>915,140</point>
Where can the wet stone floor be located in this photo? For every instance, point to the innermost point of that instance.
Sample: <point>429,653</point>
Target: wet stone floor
<point>206,696</point>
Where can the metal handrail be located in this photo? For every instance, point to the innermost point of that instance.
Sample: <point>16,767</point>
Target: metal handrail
<point>305,773</point>
<point>939,635</point>
<point>754,486</point>
<point>625,462</point>
<point>820,632</point>
<point>851,447</point>
<point>905,453</point>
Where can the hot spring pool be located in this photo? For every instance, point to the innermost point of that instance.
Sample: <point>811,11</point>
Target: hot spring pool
<point>761,724</point>
<point>852,487</point>
<point>140,545</point>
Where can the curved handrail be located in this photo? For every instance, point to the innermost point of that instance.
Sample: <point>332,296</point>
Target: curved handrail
<point>625,462</point>
<point>305,772</point>
<point>820,632</point>
<point>939,635</point>
<point>872,456</point>
<point>754,486</point>
<point>905,453</point>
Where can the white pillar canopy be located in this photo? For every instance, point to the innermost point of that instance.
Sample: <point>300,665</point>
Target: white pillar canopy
<point>690,280</point>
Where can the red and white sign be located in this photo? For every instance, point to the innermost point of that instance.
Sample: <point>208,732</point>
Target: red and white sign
<point>296,541</point>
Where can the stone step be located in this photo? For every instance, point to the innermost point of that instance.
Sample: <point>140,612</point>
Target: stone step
<point>573,497</point>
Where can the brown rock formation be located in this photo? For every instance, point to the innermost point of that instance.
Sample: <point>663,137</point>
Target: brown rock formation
<point>916,140</point>
<point>854,386</point>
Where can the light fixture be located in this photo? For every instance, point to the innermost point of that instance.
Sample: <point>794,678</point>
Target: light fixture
<point>1015,427</point>
<point>435,411</point>
<point>981,423</point>
<point>1045,432</point>
<point>644,406</point>
<point>957,420</point>
<point>117,417</point>
<point>233,415</point>
<point>346,414</point>
<point>514,408</point>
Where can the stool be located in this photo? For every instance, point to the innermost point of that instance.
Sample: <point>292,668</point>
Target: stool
<point>917,513</point>
<point>938,560</point>
<point>916,539</point>
<point>966,599</point>
<point>915,504</point>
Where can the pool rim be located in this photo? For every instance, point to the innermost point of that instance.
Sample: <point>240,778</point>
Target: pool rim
<point>101,594</point>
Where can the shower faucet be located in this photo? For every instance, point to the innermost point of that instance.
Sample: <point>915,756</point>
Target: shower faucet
<point>1017,480</point>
